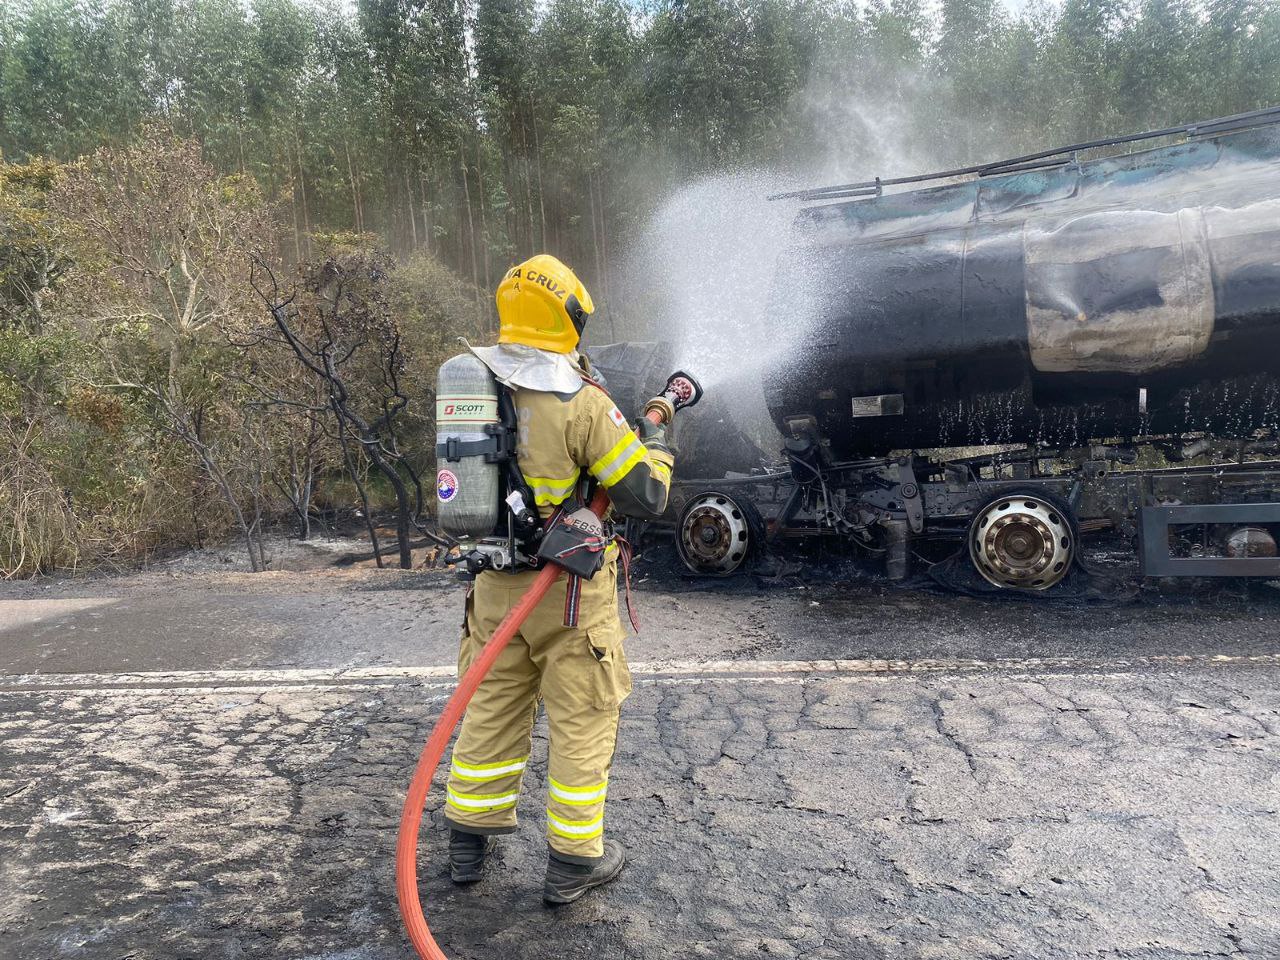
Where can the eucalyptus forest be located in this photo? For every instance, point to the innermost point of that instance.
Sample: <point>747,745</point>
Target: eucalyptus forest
<point>196,196</point>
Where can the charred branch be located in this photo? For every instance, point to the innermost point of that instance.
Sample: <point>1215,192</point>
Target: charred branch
<point>345,321</point>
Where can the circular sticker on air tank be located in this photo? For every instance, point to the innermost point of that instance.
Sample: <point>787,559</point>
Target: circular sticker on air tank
<point>446,485</point>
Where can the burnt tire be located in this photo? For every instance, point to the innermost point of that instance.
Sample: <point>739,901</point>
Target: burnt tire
<point>1024,539</point>
<point>718,534</point>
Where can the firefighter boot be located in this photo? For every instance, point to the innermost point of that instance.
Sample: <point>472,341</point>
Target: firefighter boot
<point>569,879</point>
<point>466,855</point>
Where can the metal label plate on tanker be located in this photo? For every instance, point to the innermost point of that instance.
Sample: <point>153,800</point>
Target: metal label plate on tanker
<point>883,405</point>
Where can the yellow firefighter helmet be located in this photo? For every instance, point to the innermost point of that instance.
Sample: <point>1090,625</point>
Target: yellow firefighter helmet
<point>541,303</point>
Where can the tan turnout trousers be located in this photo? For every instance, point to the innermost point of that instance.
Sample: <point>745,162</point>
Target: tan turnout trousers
<point>569,651</point>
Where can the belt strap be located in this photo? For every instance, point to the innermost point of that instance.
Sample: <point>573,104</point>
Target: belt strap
<point>572,599</point>
<point>624,555</point>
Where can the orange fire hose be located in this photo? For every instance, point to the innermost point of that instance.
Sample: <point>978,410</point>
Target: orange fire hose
<point>415,802</point>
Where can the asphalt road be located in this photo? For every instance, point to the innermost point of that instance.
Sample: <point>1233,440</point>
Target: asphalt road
<point>200,764</point>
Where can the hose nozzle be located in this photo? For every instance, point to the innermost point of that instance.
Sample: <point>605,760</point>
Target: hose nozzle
<point>680,392</point>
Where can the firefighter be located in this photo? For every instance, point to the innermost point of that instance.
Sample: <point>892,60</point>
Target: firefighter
<point>569,652</point>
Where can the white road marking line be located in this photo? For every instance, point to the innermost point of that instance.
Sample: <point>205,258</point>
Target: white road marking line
<point>657,672</point>
<point>684,667</point>
<point>217,678</point>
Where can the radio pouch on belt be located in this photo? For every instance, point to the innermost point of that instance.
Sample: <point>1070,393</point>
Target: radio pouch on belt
<point>576,541</point>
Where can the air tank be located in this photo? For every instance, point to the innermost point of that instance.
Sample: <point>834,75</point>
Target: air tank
<point>1136,295</point>
<point>468,485</point>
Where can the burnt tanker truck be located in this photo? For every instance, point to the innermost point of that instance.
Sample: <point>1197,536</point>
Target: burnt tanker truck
<point>1019,354</point>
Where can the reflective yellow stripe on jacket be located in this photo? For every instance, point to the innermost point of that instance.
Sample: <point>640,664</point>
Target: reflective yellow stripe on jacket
<point>619,461</point>
<point>567,438</point>
<point>548,491</point>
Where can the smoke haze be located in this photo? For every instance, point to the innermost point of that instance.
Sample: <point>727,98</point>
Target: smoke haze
<point>701,273</point>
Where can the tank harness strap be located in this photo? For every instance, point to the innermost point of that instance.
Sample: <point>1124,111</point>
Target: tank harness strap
<point>453,449</point>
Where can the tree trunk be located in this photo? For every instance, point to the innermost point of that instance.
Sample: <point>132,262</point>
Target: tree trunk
<point>308,481</point>
<point>301,480</point>
<point>353,470</point>
<point>471,233</point>
<point>374,450</point>
<point>528,182</point>
<point>425,205</point>
<point>357,214</point>
<point>484,228</point>
<point>595,234</point>
<point>256,526</point>
<point>197,498</point>
<point>372,445</point>
<point>220,479</point>
<point>297,220</point>
<point>537,158</point>
<point>413,217</point>
<point>302,186</point>
<point>604,251</point>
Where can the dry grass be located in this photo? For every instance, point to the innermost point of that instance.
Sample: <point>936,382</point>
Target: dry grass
<point>37,527</point>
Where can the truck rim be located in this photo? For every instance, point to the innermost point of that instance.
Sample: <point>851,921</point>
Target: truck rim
<point>1022,542</point>
<point>714,536</point>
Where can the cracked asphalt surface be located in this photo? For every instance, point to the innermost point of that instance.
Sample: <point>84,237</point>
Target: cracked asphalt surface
<point>198,764</point>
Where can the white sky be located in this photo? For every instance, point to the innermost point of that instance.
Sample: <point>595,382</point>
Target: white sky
<point>1014,6</point>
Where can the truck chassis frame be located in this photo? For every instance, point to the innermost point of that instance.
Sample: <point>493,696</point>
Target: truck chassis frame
<point>1180,517</point>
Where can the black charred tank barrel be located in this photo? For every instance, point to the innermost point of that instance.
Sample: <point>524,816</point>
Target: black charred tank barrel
<point>1129,296</point>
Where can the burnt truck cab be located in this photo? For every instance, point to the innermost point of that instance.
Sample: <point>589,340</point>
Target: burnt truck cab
<point>1018,354</point>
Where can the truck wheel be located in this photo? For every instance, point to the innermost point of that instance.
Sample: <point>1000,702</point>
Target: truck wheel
<point>718,534</point>
<point>1023,540</point>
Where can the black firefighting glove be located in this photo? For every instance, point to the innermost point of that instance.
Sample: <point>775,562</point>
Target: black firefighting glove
<point>652,435</point>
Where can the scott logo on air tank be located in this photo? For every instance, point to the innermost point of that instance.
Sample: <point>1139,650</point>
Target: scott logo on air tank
<point>466,409</point>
